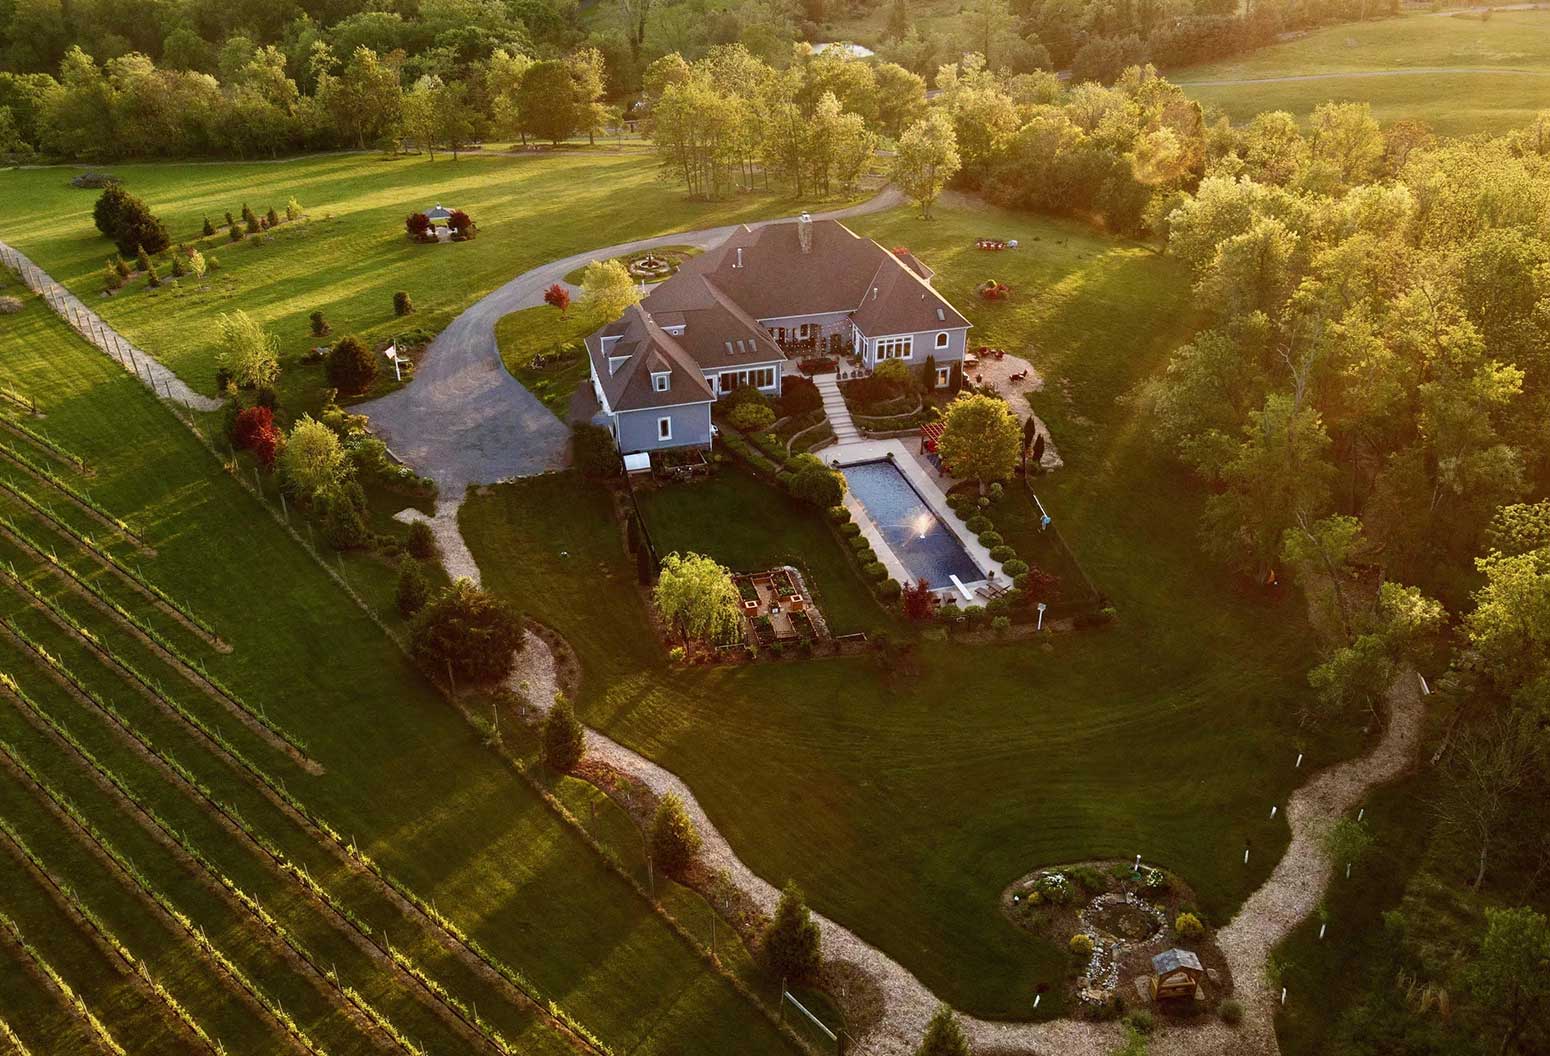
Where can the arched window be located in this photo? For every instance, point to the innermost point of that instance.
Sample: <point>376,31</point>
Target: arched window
<point>941,339</point>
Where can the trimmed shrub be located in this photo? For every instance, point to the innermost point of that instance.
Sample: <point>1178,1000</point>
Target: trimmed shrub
<point>999,624</point>
<point>1015,567</point>
<point>875,570</point>
<point>1081,944</point>
<point>674,839</point>
<point>402,305</point>
<point>857,543</point>
<point>751,417</point>
<point>235,234</point>
<point>1231,1011</point>
<point>412,591</point>
<point>351,365</point>
<point>889,590</point>
<point>422,541</point>
<point>208,229</point>
<point>979,523</point>
<point>343,526</point>
<point>565,742</point>
<point>818,486</point>
<point>319,324</point>
<point>850,529</point>
<point>1003,553</point>
<point>471,630</point>
<point>272,218</point>
<point>839,515</point>
<point>1188,926</point>
<point>990,538</point>
<point>799,395</point>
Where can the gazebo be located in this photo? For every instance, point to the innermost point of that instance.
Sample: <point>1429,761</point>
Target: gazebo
<point>1177,974</point>
<point>440,216</point>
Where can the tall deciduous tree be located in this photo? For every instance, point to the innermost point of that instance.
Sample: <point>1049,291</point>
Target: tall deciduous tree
<point>696,597</point>
<point>926,160</point>
<point>607,289</point>
<point>248,350</point>
<point>313,460</point>
<point>981,439</point>
<point>546,101</point>
<point>1510,976</point>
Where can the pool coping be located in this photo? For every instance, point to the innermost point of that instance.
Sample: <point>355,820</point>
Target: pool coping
<point>935,499</point>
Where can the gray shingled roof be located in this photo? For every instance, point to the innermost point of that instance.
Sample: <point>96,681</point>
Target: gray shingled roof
<point>648,348</point>
<point>1172,960</point>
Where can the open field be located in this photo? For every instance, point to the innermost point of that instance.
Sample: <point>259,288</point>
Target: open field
<point>836,772</point>
<point>328,741</point>
<point>350,256</point>
<point>1460,74</point>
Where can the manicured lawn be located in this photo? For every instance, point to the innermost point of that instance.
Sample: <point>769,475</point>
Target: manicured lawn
<point>543,332</point>
<point>904,796</point>
<point>1453,103</point>
<point>406,776</point>
<point>351,255</point>
<point>750,526</point>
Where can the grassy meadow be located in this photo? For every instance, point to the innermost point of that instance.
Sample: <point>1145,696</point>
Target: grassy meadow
<point>1407,50</point>
<point>350,255</point>
<point>403,777</point>
<point>904,798</point>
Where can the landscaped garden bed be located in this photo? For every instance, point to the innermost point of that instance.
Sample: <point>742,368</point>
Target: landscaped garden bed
<point>1114,917</point>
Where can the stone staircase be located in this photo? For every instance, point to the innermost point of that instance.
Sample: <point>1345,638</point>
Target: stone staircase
<point>845,431</point>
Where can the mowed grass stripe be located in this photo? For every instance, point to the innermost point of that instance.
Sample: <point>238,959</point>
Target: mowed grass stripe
<point>407,777</point>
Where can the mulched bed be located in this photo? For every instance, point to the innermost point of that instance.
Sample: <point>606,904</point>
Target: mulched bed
<point>1132,918</point>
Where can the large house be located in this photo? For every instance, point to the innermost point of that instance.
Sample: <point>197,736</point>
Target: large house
<point>732,316</point>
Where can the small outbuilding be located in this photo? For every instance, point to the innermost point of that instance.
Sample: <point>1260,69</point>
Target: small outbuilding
<point>1176,973</point>
<point>440,216</point>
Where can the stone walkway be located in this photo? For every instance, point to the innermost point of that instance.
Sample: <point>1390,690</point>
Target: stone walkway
<point>845,431</point>
<point>159,379</point>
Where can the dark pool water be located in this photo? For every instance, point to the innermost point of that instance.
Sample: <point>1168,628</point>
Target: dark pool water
<point>922,543</point>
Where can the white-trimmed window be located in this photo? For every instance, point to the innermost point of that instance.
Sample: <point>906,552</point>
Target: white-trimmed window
<point>764,377</point>
<point>892,348</point>
<point>944,377</point>
<point>941,339</point>
<point>660,382</point>
<point>664,428</point>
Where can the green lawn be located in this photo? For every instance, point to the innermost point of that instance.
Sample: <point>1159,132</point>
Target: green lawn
<point>750,526</point>
<point>903,798</point>
<point>406,777</point>
<point>1453,103</point>
<point>542,331</point>
<point>351,255</point>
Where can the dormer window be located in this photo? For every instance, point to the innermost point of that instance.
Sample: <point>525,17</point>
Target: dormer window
<point>660,381</point>
<point>614,362</point>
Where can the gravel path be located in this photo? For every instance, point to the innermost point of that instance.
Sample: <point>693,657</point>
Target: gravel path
<point>465,420</point>
<point>89,324</point>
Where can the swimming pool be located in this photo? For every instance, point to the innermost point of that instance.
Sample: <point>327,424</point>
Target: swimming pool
<point>922,543</point>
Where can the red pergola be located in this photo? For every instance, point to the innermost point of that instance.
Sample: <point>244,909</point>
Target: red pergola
<point>930,433</point>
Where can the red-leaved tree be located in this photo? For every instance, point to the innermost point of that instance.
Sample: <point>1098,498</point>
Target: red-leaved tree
<point>255,431</point>
<point>917,600</point>
<point>558,296</point>
<point>459,221</point>
<point>418,224</point>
